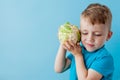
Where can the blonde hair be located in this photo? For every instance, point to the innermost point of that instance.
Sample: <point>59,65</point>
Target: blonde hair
<point>98,14</point>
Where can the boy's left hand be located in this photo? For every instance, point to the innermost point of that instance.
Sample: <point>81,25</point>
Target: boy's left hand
<point>72,47</point>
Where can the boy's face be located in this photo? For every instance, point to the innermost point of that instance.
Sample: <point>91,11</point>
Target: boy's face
<point>94,36</point>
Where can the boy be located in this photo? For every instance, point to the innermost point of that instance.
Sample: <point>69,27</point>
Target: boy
<point>91,60</point>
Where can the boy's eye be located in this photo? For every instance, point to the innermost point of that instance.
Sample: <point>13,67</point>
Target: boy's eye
<point>97,34</point>
<point>84,33</point>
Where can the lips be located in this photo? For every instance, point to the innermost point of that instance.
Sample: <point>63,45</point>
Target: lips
<point>90,45</point>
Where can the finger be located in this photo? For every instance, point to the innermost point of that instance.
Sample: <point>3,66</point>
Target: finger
<point>71,43</point>
<point>67,45</point>
<point>64,46</point>
<point>78,43</point>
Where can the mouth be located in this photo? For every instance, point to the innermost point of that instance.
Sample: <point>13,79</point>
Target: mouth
<point>90,45</point>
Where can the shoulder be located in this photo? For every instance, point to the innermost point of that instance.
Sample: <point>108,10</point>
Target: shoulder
<point>104,58</point>
<point>103,53</point>
<point>103,63</point>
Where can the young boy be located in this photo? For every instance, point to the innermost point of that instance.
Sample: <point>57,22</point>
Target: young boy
<point>91,60</point>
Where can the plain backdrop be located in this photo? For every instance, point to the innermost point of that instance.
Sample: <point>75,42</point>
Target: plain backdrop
<point>29,41</point>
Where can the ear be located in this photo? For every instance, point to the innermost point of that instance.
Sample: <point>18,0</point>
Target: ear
<point>109,35</point>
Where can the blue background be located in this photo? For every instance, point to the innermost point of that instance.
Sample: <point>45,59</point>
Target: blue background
<point>28,36</point>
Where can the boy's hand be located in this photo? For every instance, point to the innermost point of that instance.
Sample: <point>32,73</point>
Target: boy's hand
<point>72,47</point>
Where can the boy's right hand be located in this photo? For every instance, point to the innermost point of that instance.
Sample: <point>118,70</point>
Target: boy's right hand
<point>72,47</point>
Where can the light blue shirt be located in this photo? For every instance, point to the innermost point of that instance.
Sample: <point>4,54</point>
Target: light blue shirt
<point>99,60</point>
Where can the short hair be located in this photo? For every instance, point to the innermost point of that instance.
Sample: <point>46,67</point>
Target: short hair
<point>98,14</point>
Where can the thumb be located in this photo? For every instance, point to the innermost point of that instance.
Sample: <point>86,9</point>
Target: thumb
<point>78,43</point>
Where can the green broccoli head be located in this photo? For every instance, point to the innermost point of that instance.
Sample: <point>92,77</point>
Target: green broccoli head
<point>70,32</point>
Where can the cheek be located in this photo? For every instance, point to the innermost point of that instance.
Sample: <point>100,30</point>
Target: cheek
<point>100,41</point>
<point>83,39</point>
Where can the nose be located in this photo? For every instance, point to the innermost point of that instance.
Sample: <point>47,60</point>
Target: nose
<point>90,38</point>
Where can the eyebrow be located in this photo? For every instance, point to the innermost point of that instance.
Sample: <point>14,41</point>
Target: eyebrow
<point>97,31</point>
<point>93,31</point>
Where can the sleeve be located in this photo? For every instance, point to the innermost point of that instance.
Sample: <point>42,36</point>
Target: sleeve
<point>104,65</point>
<point>70,56</point>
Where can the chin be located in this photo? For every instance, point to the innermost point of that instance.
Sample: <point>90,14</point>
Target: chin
<point>91,50</point>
